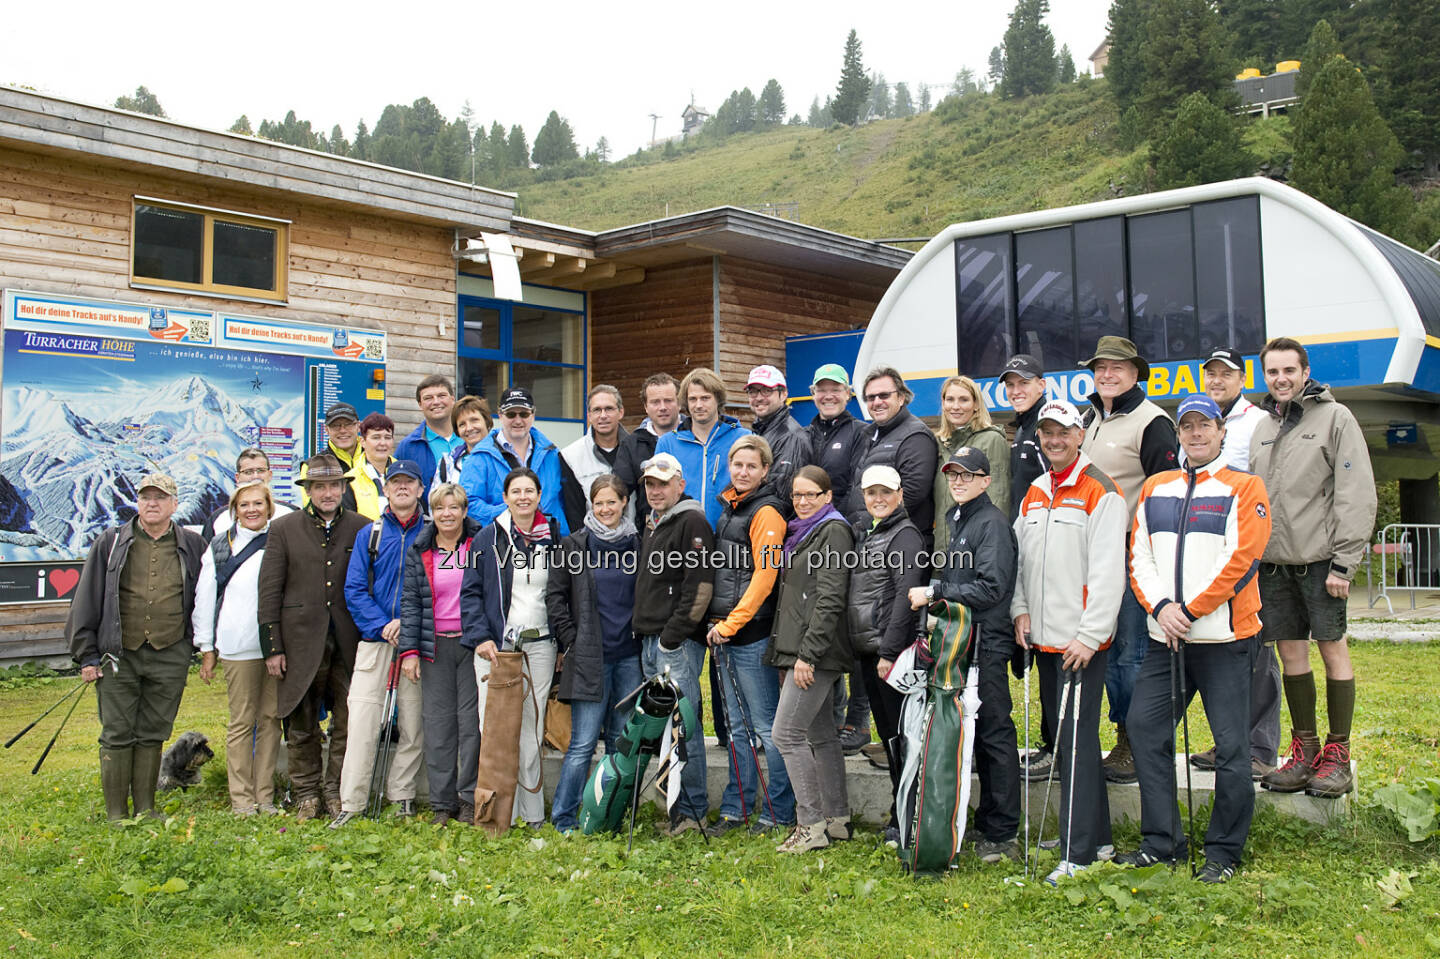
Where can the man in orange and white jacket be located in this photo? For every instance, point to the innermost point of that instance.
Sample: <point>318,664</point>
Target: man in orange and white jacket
<point>1198,537</point>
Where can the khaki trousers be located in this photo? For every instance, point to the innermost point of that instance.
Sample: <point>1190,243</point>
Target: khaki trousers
<point>366,702</point>
<point>252,740</point>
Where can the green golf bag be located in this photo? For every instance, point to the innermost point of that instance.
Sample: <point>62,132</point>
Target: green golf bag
<point>660,725</point>
<point>937,724</point>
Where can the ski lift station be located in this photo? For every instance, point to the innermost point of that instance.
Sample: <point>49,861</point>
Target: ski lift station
<point>1180,272</point>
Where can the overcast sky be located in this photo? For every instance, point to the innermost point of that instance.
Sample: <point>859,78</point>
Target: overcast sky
<point>604,67</point>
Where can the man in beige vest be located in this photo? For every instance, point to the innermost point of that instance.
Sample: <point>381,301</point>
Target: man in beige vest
<point>1129,438</point>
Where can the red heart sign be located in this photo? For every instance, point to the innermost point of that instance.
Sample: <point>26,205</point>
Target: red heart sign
<point>63,580</point>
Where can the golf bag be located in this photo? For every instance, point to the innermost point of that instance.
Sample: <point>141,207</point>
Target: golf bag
<point>661,723</point>
<point>937,723</point>
<point>498,775</point>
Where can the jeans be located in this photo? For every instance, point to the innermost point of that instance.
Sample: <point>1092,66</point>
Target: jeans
<point>1127,653</point>
<point>586,718</point>
<point>760,688</point>
<point>686,663</point>
<point>806,737</point>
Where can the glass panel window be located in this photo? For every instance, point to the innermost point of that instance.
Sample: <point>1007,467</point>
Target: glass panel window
<point>481,327</point>
<point>1162,286</point>
<point>483,378</point>
<point>169,244</point>
<point>559,391</point>
<point>1099,281</point>
<point>1045,298</point>
<point>983,307</point>
<point>547,335</point>
<point>1227,274</point>
<point>244,255</point>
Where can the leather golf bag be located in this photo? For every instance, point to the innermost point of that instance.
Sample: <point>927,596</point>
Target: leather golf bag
<point>499,768</point>
<point>937,724</point>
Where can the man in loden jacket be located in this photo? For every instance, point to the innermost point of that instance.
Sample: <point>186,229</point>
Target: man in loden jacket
<point>1195,550</point>
<point>306,632</point>
<point>129,629</point>
<point>672,597</point>
<point>1315,464</point>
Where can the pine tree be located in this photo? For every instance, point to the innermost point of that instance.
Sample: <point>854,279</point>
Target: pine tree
<point>924,98</point>
<point>772,104</point>
<point>1203,145</point>
<point>997,68</point>
<point>1321,48</point>
<point>499,149</point>
<point>1257,28</point>
<point>1123,69</point>
<point>904,106</point>
<point>360,149</point>
<point>1065,66</point>
<point>242,126</point>
<point>1185,51</point>
<point>142,102</point>
<point>1345,155</point>
<point>602,150</point>
<point>853,90</point>
<point>337,143</point>
<point>555,143</point>
<point>1029,51</point>
<point>517,148</point>
<point>745,111</point>
<point>1412,73</point>
<point>965,83</point>
<point>820,116</point>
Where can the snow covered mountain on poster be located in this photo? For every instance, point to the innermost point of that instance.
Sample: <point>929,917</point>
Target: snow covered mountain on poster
<point>78,438</point>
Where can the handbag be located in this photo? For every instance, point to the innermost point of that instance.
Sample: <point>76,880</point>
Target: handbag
<point>557,720</point>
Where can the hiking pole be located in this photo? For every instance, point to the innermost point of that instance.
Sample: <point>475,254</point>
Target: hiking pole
<point>58,703</point>
<point>750,732</point>
<point>1028,658</point>
<point>1050,776</point>
<point>724,712</point>
<point>380,769</point>
<point>51,745</point>
<point>1074,750</point>
<point>1189,790</point>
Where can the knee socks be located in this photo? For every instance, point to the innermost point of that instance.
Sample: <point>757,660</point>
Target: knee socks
<point>1300,697</point>
<point>1339,706</point>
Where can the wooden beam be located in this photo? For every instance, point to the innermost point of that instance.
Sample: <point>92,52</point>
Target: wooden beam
<point>621,278</point>
<point>564,267</point>
<point>599,271</point>
<point>533,261</point>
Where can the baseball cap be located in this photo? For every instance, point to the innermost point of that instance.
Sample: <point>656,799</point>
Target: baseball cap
<point>880,475</point>
<point>1231,357</point>
<point>766,376</point>
<point>341,411</point>
<point>403,468</point>
<point>830,371</point>
<point>161,481</point>
<point>661,466</point>
<point>1023,365</point>
<point>1059,411</point>
<point>1198,403</point>
<point>967,459</point>
<point>516,398</point>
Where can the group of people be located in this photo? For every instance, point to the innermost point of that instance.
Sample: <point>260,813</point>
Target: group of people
<point>1116,548</point>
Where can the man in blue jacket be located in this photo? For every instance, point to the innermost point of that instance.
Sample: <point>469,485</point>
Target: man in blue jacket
<point>372,592</point>
<point>428,443</point>
<point>515,442</point>
<point>702,443</point>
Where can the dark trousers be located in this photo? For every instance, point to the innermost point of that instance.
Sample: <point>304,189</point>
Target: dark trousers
<point>885,704</point>
<point>996,757</point>
<point>1265,704</point>
<point>1220,672</point>
<point>139,700</point>
<point>1045,667</point>
<point>451,716</point>
<point>331,689</point>
<point>1082,790</point>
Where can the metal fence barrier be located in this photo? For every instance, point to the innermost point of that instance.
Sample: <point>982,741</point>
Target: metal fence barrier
<point>1409,561</point>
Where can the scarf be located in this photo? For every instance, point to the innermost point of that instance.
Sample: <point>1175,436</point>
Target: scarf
<point>797,529</point>
<point>604,533</point>
<point>538,533</point>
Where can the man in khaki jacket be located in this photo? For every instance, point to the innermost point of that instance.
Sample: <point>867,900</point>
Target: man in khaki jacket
<point>1314,461</point>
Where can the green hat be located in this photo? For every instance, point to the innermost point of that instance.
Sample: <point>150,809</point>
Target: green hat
<point>831,371</point>
<point>1119,348</point>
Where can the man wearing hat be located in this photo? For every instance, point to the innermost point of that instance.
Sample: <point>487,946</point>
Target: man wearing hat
<point>789,444</point>
<point>980,574</point>
<point>1198,537</point>
<point>342,441</point>
<point>1224,381</point>
<point>129,629</point>
<point>516,442</point>
<point>372,593</point>
<point>673,590</point>
<point>1129,438</point>
<point>1070,532</point>
<point>306,632</point>
<point>834,433</point>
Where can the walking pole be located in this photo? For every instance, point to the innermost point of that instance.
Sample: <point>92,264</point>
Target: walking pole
<point>750,733</point>
<point>1189,790</point>
<point>51,745</point>
<point>380,770</point>
<point>724,712</point>
<point>58,703</point>
<point>1029,658</point>
<point>1074,749</point>
<point>1050,776</point>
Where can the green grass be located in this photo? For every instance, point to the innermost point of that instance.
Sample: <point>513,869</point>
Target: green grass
<point>205,883</point>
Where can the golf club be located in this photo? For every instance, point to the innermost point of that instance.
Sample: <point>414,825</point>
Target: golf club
<point>1050,776</point>
<point>51,745</point>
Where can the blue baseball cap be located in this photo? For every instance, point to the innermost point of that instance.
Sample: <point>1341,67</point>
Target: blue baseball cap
<point>1198,403</point>
<point>404,468</point>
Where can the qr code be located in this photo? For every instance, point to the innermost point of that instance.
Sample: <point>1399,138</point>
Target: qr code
<point>200,329</point>
<point>373,350</point>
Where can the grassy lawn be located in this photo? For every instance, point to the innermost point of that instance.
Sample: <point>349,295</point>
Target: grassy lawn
<point>204,883</point>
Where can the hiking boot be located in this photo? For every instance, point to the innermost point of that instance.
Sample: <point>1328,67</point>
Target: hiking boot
<point>466,815</point>
<point>853,738</point>
<point>441,817</point>
<point>994,850</point>
<point>723,825</point>
<point>805,838</point>
<point>307,809</point>
<point>891,836</point>
<point>1141,858</point>
<point>1105,853</point>
<point>683,825</point>
<point>1299,768</point>
<point>1205,760</point>
<point>115,766</point>
<point>1213,873</point>
<point>837,828</point>
<point>760,827</point>
<point>1120,763</point>
<point>1064,870</point>
<point>1332,776</point>
<point>875,752</point>
<point>268,809</point>
<point>343,819</point>
<point>1035,767</point>
<point>404,808</point>
<point>1259,769</point>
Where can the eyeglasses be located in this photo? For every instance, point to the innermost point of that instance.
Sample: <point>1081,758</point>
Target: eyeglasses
<point>800,497</point>
<point>253,471</point>
<point>960,476</point>
<point>872,397</point>
<point>597,410</point>
<point>516,414</point>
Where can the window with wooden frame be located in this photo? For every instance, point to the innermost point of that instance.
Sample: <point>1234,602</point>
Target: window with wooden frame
<point>180,246</point>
